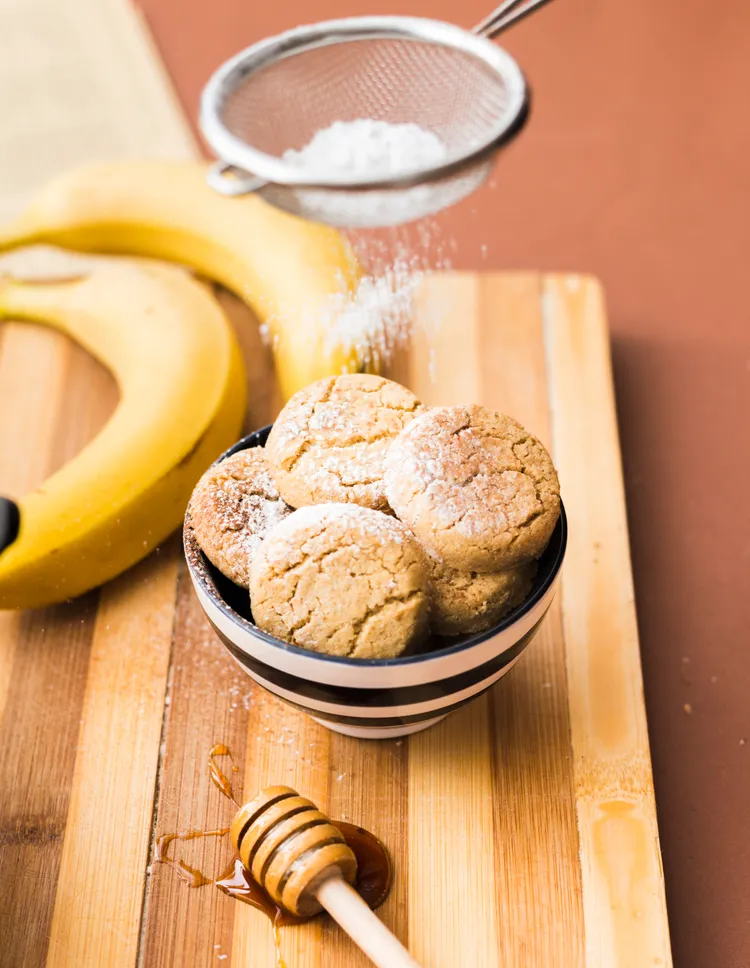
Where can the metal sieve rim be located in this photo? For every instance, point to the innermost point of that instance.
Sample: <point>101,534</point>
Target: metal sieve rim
<point>270,168</point>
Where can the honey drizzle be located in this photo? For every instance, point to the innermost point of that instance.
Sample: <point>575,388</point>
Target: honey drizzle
<point>187,874</point>
<point>219,778</point>
<point>374,870</point>
<point>280,963</point>
<point>194,878</point>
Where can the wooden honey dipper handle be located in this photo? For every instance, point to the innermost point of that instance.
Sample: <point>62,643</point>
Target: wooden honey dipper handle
<point>303,862</point>
<point>362,925</point>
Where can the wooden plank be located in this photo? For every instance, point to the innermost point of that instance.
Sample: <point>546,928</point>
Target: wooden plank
<point>50,647</point>
<point>450,766</point>
<point>444,353</point>
<point>536,839</point>
<point>370,788</point>
<point>452,911</point>
<point>488,347</point>
<point>281,744</point>
<point>38,738</point>
<point>210,701</point>
<point>623,888</point>
<point>108,826</point>
<point>284,746</point>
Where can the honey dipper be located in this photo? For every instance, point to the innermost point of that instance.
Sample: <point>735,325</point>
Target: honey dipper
<point>303,862</point>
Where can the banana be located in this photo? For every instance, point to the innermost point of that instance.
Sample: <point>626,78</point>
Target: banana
<point>182,401</point>
<point>291,273</point>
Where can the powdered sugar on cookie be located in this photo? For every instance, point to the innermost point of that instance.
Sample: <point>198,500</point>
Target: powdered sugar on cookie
<point>342,579</point>
<point>330,440</point>
<point>232,508</point>
<point>475,487</point>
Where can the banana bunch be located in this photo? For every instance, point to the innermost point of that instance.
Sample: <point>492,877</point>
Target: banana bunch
<point>182,401</point>
<point>174,356</point>
<point>292,273</point>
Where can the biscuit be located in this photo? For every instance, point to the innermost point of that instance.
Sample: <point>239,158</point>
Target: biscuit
<point>329,442</point>
<point>466,601</point>
<point>344,580</point>
<point>477,490</point>
<point>233,505</point>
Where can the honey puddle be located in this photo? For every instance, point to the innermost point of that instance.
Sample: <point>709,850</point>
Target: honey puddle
<point>238,882</point>
<point>374,870</point>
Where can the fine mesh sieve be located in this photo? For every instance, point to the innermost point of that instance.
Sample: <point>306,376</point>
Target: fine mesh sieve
<point>277,94</point>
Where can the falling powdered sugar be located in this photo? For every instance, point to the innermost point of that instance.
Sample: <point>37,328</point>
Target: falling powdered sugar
<point>375,319</point>
<point>372,320</point>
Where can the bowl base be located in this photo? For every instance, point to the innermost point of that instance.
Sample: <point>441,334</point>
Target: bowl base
<point>378,732</point>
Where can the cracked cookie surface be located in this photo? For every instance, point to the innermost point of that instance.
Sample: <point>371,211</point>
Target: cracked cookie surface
<point>232,507</point>
<point>344,580</point>
<point>477,489</point>
<point>467,601</point>
<point>330,440</point>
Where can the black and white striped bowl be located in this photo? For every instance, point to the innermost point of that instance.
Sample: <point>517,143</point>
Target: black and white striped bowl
<point>372,698</point>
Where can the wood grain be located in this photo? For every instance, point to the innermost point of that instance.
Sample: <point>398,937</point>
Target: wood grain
<point>210,701</point>
<point>206,704</point>
<point>451,872</point>
<point>49,651</point>
<point>283,747</point>
<point>534,802</point>
<point>484,342</point>
<point>623,897</point>
<point>450,766</point>
<point>108,827</point>
<point>38,738</point>
<point>370,788</point>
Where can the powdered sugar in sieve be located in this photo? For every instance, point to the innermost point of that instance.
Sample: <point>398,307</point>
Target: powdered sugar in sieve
<point>375,148</point>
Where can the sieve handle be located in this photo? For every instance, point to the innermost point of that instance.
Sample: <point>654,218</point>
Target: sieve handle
<point>506,15</point>
<point>239,182</point>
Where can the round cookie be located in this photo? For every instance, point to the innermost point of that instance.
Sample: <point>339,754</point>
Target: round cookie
<point>233,505</point>
<point>342,579</point>
<point>466,601</point>
<point>476,488</point>
<point>330,440</point>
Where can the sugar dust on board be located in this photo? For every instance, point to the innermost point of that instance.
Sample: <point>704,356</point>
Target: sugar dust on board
<point>374,869</point>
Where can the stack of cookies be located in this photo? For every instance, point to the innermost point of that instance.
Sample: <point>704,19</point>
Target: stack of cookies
<point>369,520</point>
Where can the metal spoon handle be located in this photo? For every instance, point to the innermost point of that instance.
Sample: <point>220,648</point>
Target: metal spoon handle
<point>507,14</point>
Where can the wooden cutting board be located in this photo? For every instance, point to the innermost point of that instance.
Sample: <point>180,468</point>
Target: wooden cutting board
<point>522,829</point>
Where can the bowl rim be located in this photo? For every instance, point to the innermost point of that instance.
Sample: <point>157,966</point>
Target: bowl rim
<point>256,439</point>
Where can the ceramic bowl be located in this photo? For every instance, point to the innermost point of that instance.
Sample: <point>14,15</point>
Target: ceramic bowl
<point>372,698</point>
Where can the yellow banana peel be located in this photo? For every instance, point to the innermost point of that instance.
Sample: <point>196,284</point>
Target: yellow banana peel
<point>292,273</point>
<point>182,402</point>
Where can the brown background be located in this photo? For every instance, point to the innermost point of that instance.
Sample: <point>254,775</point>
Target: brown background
<point>635,167</point>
